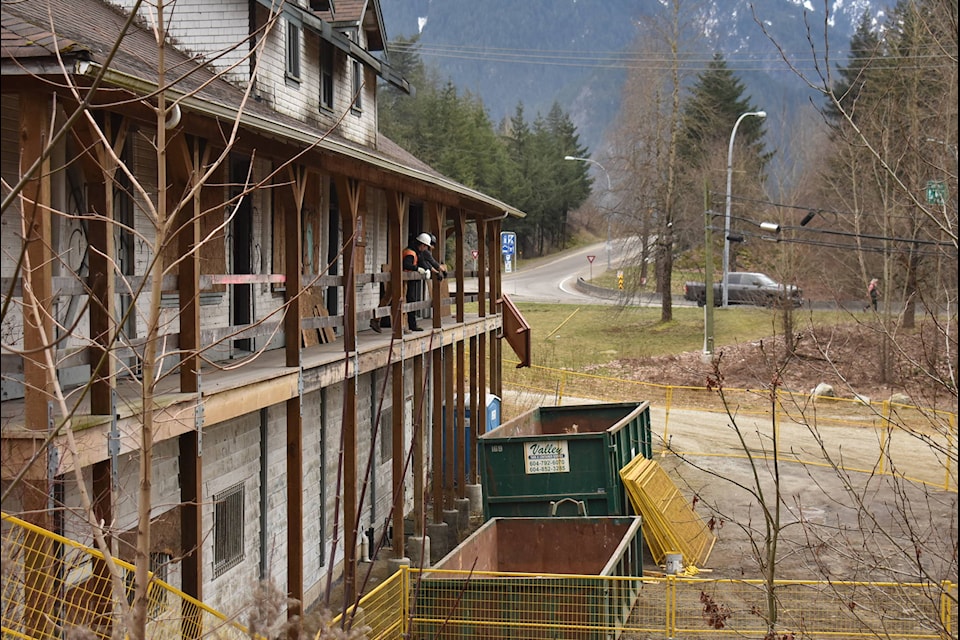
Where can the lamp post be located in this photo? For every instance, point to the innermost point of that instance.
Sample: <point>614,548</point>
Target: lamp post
<point>726,218</point>
<point>608,191</point>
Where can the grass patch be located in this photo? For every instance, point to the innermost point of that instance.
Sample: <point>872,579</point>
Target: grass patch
<point>571,337</point>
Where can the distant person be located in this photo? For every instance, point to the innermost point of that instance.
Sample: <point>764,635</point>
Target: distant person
<point>413,289</point>
<point>873,290</point>
<point>412,261</point>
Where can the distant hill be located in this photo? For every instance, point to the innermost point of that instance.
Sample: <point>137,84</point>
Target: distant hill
<point>576,52</point>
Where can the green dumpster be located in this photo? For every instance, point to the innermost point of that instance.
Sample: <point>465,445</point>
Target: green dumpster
<point>563,460</point>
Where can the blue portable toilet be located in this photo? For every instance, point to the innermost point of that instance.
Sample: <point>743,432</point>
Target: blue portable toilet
<point>493,416</point>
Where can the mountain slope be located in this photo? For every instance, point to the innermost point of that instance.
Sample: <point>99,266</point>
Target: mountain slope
<point>576,52</point>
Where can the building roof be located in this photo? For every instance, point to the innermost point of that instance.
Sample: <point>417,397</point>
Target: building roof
<point>83,34</point>
<point>363,14</point>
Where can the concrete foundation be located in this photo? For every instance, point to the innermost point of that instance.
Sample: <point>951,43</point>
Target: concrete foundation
<point>440,540</point>
<point>418,550</point>
<point>475,496</point>
<point>394,564</point>
<point>463,517</point>
<point>452,518</point>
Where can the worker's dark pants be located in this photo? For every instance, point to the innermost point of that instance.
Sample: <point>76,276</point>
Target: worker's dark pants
<point>414,294</point>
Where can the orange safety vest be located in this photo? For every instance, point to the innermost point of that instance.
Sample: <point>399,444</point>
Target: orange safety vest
<point>410,252</point>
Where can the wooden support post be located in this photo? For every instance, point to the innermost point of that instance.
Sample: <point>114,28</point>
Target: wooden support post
<point>35,203</point>
<point>193,160</point>
<point>294,419</point>
<point>460,423</point>
<point>293,268</point>
<point>348,195</point>
<point>496,337</point>
<point>101,174</point>
<point>459,222</point>
<point>436,476</point>
<point>448,448</point>
<point>295,522</point>
<point>397,207</point>
<point>399,453</point>
<point>477,425</point>
<point>418,463</point>
<point>191,527</point>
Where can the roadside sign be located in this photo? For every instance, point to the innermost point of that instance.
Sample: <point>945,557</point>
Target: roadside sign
<point>475,254</point>
<point>508,243</point>
<point>590,259</point>
<point>936,192</point>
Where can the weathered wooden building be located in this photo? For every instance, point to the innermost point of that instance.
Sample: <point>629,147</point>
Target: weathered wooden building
<point>196,235</point>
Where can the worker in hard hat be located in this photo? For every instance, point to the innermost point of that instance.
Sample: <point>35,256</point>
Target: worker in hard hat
<point>413,288</point>
<point>412,262</point>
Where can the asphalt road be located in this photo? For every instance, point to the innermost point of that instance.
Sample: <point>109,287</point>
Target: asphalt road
<point>553,280</point>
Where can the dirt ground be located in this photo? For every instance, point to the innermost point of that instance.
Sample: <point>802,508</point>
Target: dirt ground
<point>855,359</point>
<point>864,515</point>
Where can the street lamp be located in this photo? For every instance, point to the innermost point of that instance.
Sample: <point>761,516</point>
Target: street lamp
<point>726,219</point>
<point>608,191</point>
<point>769,227</point>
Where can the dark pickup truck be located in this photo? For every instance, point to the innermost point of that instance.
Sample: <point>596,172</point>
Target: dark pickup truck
<point>746,288</point>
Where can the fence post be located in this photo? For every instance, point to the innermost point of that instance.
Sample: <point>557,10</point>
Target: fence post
<point>667,400</point>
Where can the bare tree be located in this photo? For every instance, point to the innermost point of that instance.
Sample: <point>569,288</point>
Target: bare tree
<point>170,199</point>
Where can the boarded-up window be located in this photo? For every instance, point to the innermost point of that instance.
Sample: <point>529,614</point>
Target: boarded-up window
<point>227,529</point>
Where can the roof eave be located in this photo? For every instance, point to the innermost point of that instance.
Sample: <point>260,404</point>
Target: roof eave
<point>295,134</point>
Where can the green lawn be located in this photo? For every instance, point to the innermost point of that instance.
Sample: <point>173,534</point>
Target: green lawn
<point>568,336</point>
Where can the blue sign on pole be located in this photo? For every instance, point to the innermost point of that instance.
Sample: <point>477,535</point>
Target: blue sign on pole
<point>508,243</point>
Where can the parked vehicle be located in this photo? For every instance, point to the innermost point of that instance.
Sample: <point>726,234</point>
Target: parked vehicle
<point>746,288</point>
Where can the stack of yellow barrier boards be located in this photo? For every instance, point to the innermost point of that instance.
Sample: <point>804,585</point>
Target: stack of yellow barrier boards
<point>669,523</point>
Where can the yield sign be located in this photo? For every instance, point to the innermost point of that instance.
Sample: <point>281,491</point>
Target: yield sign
<point>475,254</point>
<point>590,259</point>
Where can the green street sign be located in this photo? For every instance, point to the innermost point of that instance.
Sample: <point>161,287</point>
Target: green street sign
<point>936,192</point>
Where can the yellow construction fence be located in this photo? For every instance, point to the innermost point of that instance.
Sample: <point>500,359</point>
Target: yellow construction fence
<point>53,587</point>
<point>457,604</point>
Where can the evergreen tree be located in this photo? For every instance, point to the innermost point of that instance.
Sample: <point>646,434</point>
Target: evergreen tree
<point>864,47</point>
<point>715,102</point>
<point>523,166</point>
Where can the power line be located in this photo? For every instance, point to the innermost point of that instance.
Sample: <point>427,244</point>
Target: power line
<point>809,209</point>
<point>736,61</point>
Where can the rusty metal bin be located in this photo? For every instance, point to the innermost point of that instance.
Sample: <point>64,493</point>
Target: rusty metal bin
<point>550,586</point>
<point>563,460</point>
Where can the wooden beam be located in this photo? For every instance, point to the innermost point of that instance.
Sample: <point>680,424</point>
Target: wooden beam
<point>496,337</point>
<point>398,415</point>
<point>348,197</point>
<point>193,159</point>
<point>419,471</point>
<point>295,522</point>
<point>100,176</point>
<point>191,523</point>
<point>398,206</point>
<point>459,224</point>
<point>460,422</point>
<point>436,482</point>
<point>477,423</point>
<point>38,298</point>
<point>293,267</point>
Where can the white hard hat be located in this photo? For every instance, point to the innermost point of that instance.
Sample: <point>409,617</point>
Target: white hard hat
<point>425,239</point>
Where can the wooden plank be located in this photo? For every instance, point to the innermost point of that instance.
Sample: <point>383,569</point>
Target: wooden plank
<point>327,334</point>
<point>311,336</point>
